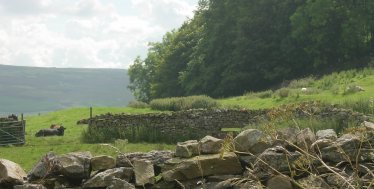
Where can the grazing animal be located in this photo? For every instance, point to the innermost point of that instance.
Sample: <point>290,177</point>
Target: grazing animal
<point>51,132</point>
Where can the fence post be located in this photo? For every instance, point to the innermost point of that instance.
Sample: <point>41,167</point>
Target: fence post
<point>91,112</point>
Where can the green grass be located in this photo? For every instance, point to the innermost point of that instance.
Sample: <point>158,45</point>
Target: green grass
<point>28,154</point>
<point>329,89</point>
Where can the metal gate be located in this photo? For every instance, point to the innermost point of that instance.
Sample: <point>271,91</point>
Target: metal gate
<point>12,132</point>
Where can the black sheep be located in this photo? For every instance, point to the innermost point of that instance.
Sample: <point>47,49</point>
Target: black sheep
<point>51,132</point>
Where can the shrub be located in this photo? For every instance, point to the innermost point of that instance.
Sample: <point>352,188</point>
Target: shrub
<point>335,89</point>
<point>283,92</point>
<point>264,94</point>
<point>183,103</point>
<point>300,83</point>
<point>351,89</point>
<point>137,104</point>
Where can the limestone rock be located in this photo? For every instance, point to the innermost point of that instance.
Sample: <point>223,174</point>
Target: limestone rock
<point>144,172</point>
<point>347,148</point>
<point>289,134</point>
<point>238,183</point>
<point>103,179</point>
<point>253,141</point>
<point>313,182</point>
<point>337,181</point>
<point>326,134</point>
<point>30,186</point>
<point>74,165</point>
<point>165,185</point>
<point>187,149</point>
<point>156,157</point>
<point>210,145</point>
<point>123,161</point>
<point>279,182</point>
<point>305,138</point>
<point>368,125</point>
<point>204,165</point>
<point>42,168</point>
<point>247,160</point>
<point>11,173</point>
<point>276,158</point>
<point>321,143</point>
<point>120,184</point>
<point>102,163</point>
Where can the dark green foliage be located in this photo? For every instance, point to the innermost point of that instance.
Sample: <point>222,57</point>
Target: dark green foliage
<point>183,103</point>
<point>230,47</point>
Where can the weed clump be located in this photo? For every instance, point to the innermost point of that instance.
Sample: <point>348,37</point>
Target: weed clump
<point>301,83</point>
<point>283,92</point>
<point>261,94</point>
<point>183,103</point>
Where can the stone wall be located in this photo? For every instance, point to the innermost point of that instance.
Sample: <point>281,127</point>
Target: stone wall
<point>193,124</point>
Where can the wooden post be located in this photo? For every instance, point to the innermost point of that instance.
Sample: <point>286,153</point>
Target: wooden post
<point>22,117</point>
<point>91,112</point>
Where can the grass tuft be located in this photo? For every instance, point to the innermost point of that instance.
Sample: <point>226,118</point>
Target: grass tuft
<point>183,103</point>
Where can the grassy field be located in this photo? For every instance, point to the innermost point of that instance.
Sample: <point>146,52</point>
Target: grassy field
<point>332,89</point>
<point>28,154</point>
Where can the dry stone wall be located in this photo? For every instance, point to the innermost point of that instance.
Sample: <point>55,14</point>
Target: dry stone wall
<point>194,124</point>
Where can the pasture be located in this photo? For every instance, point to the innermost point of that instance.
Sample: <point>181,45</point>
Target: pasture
<point>35,147</point>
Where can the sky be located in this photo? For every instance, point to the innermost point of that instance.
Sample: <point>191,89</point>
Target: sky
<point>85,33</point>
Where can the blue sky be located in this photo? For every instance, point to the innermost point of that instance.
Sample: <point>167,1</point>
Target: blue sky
<point>85,33</point>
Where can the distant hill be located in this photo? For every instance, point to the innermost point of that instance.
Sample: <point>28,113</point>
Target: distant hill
<point>34,89</point>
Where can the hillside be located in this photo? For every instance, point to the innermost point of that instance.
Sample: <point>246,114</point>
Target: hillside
<point>33,90</point>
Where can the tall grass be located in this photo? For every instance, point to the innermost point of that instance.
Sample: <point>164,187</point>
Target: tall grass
<point>362,105</point>
<point>301,83</point>
<point>183,103</point>
<point>261,94</point>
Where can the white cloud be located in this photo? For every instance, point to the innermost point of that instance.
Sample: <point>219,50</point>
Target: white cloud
<point>88,8</point>
<point>24,7</point>
<point>85,33</point>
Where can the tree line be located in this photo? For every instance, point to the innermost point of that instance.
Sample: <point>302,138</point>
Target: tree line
<point>230,47</point>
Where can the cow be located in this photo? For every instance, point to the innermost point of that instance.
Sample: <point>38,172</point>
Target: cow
<point>51,132</point>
